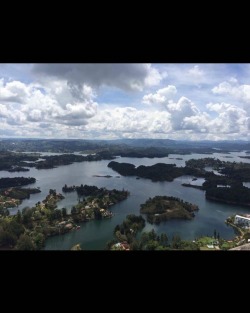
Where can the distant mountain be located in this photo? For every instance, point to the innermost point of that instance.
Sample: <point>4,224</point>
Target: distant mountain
<point>144,142</point>
<point>123,145</point>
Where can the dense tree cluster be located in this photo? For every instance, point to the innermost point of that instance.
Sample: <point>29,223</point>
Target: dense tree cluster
<point>156,172</point>
<point>16,181</point>
<point>237,194</point>
<point>163,208</point>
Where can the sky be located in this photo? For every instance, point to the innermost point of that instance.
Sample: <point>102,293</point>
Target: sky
<point>128,100</point>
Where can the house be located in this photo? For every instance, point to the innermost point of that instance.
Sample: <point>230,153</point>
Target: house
<point>242,220</point>
<point>210,246</point>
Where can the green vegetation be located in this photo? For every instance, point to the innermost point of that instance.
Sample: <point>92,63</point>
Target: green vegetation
<point>19,193</point>
<point>12,197</point>
<point>163,208</point>
<point>15,162</point>
<point>27,230</point>
<point>202,163</point>
<point>53,161</point>
<point>95,203</point>
<point>16,181</point>
<point>227,188</point>
<point>20,162</point>
<point>237,194</point>
<point>127,236</point>
<point>18,169</point>
<point>157,172</point>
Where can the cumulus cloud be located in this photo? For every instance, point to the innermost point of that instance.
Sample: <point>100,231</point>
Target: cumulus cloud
<point>233,89</point>
<point>183,114</point>
<point>186,117</point>
<point>129,77</point>
<point>64,100</point>
<point>161,96</point>
<point>118,121</point>
<point>14,91</point>
<point>55,103</point>
<point>230,119</point>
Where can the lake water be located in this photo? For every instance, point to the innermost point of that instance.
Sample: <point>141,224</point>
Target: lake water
<point>94,235</point>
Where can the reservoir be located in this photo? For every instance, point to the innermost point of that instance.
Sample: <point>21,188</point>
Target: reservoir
<point>93,235</point>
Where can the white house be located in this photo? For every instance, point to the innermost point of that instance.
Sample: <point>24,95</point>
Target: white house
<point>242,220</point>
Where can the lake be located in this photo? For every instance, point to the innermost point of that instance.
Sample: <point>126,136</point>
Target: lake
<point>93,235</point>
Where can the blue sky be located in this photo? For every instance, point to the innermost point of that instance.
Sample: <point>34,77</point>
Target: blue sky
<point>110,101</point>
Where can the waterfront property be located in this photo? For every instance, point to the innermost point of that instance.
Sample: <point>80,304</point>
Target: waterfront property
<point>242,221</point>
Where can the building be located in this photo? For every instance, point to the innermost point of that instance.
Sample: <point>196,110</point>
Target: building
<point>242,221</point>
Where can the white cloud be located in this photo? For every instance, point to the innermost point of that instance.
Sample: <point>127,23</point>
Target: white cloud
<point>154,76</point>
<point>161,96</point>
<point>65,101</point>
<point>119,121</point>
<point>218,107</point>
<point>3,111</point>
<point>51,104</point>
<point>181,113</point>
<point>230,119</point>
<point>14,91</point>
<point>233,89</point>
<point>195,72</point>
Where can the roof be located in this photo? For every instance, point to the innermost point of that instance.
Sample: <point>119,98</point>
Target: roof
<point>243,217</point>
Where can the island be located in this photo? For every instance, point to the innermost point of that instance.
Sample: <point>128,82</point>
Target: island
<point>95,202</point>
<point>106,176</point>
<point>28,230</point>
<point>156,172</point>
<point>21,162</point>
<point>163,208</point>
<point>18,169</point>
<point>16,181</point>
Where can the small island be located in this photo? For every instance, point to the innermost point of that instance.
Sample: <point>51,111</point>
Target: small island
<point>164,208</point>
<point>106,176</point>
<point>18,169</point>
<point>16,181</point>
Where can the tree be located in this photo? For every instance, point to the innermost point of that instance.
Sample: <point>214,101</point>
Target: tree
<point>176,242</point>
<point>215,234</point>
<point>27,220</point>
<point>97,214</point>
<point>151,245</point>
<point>120,237</point>
<point>164,240</point>
<point>152,235</point>
<point>135,245</point>
<point>57,214</point>
<point>52,192</point>
<point>19,217</point>
<point>39,240</point>
<point>15,228</point>
<point>7,238</point>
<point>25,243</point>
<point>73,210</point>
<point>64,212</point>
